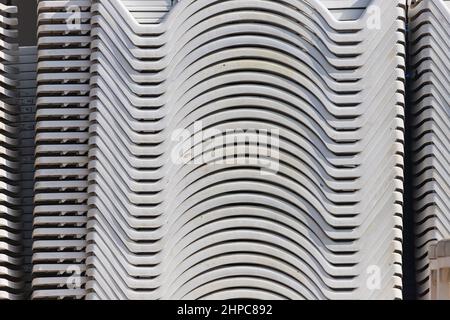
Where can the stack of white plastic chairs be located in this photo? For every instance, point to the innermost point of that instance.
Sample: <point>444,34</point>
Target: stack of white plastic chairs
<point>59,234</point>
<point>26,104</point>
<point>320,218</point>
<point>430,109</point>
<point>11,283</point>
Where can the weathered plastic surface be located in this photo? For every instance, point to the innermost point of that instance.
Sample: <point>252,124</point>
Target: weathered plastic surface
<point>327,225</point>
<point>430,108</point>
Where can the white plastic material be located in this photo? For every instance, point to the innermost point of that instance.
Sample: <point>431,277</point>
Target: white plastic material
<point>62,125</point>
<point>326,225</point>
<point>94,205</point>
<point>430,109</point>
<point>26,90</point>
<point>11,274</point>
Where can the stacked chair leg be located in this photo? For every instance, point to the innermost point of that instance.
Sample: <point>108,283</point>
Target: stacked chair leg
<point>59,225</point>
<point>326,224</point>
<point>430,111</point>
<point>11,273</point>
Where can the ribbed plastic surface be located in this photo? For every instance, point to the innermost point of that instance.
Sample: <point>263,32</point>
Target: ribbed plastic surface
<point>26,67</point>
<point>128,138</point>
<point>11,283</point>
<point>430,47</point>
<point>327,224</point>
<point>61,149</point>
